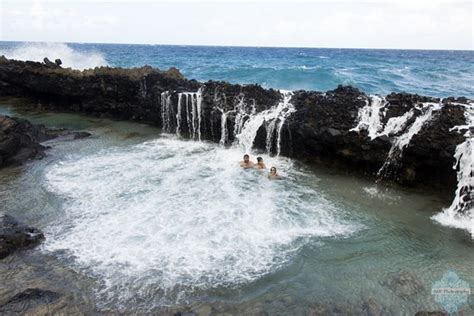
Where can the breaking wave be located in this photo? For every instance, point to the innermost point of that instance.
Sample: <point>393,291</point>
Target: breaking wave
<point>76,59</point>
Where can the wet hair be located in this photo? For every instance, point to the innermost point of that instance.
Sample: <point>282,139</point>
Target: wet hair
<point>246,156</point>
<point>273,168</point>
<point>259,158</point>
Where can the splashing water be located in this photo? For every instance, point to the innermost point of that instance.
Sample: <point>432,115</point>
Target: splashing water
<point>402,141</point>
<point>461,212</point>
<point>168,217</point>
<point>369,117</point>
<point>271,117</point>
<point>69,57</point>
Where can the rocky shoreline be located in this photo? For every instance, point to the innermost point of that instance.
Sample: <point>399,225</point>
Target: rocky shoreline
<point>403,138</point>
<point>20,140</point>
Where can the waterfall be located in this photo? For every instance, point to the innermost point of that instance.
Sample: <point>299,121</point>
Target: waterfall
<point>270,128</point>
<point>224,132</point>
<point>402,141</point>
<point>193,108</point>
<point>243,113</point>
<point>178,116</point>
<point>166,111</point>
<point>461,211</point>
<point>397,124</point>
<point>369,116</point>
<point>271,117</point>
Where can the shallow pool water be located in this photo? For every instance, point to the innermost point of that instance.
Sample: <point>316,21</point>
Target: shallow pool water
<point>140,220</point>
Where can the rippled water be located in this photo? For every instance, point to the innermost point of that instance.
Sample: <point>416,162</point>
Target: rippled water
<point>433,73</point>
<point>137,220</point>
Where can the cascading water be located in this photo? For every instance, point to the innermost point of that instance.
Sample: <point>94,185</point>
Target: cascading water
<point>242,114</point>
<point>166,111</point>
<point>178,217</point>
<point>273,118</point>
<point>370,117</point>
<point>192,107</point>
<point>461,212</point>
<point>402,141</point>
<point>224,132</point>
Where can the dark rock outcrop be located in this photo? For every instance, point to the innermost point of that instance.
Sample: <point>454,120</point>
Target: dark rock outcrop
<point>20,140</point>
<point>15,236</point>
<point>319,130</point>
<point>27,300</point>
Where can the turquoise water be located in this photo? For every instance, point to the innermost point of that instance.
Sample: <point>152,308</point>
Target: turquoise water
<point>427,72</point>
<point>137,220</point>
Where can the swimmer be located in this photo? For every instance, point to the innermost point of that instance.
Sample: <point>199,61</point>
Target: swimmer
<point>260,164</point>
<point>246,163</point>
<point>273,173</point>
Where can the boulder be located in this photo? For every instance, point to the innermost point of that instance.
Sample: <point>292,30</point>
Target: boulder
<point>15,236</point>
<point>20,140</point>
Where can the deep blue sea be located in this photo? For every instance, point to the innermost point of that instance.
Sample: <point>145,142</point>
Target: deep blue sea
<point>374,71</point>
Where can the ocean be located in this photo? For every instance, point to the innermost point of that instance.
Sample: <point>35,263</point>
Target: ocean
<point>374,71</point>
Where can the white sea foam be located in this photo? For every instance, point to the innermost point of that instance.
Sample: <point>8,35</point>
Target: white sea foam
<point>173,214</point>
<point>461,212</point>
<point>70,58</point>
<point>271,117</point>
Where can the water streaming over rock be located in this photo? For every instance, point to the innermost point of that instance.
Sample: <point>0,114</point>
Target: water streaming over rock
<point>193,109</point>
<point>370,119</point>
<point>399,143</point>
<point>166,111</point>
<point>461,211</point>
<point>272,119</point>
<point>369,116</point>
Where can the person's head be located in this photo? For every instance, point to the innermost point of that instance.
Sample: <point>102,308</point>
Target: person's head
<point>273,170</point>
<point>259,159</point>
<point>246,158</point>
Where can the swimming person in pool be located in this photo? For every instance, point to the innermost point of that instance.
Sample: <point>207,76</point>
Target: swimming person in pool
<point>273,174</point>
<point>246,163</point>
<point>260,164</point>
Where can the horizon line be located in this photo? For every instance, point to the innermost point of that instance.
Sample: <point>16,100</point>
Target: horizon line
<point>243,46</point>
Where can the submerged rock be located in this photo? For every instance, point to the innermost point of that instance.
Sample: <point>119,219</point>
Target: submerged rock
<point>15,236</point>
<point>28,300</point>
<point>405,285</point>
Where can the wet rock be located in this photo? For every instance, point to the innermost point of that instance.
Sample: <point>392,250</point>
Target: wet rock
<point>20,140</point>
<point>406,285</point>
<point>28,300</point>
<point>50,64</point>
<point>332,310</point>
<point>185,314</point>
<point>15,236</point>
<point>372,308</point>
<point>435,313</point>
